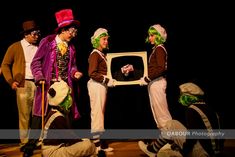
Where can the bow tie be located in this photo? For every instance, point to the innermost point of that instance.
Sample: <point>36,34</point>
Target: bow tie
<point>62,48</point>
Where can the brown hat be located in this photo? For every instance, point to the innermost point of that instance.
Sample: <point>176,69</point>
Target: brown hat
<point>29,26</point>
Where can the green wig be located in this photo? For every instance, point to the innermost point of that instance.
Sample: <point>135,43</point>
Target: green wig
<point>187,99</point>
<point>159,39</point>
<point>67,103</point>
<point>96,41</point>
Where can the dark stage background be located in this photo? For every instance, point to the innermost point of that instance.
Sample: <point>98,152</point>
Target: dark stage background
<point>198,44</point>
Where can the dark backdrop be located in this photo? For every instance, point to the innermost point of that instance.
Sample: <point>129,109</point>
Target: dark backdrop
<point>198,44</point>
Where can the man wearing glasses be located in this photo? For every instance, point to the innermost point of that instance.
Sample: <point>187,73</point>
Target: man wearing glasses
<point>16,70</point>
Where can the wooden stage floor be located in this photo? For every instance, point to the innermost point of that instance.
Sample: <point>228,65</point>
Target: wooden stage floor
<point>126,148</point>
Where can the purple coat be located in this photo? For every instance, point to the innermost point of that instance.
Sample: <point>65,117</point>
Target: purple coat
<point>42,66</point>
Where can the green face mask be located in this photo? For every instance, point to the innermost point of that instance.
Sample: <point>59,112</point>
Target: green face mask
<point>67,103</point>
<point>186,99</point>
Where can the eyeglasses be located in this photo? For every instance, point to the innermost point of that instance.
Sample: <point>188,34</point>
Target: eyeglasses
<point>73,31</point>
<point>35,33</point>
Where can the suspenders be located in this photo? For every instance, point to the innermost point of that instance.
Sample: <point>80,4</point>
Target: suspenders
<point>50,120</point>
<point>208,126</point>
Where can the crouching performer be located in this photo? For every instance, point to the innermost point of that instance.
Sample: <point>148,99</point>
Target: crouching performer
<point>59,140</point>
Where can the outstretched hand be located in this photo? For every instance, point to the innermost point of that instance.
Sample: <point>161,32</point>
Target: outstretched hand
<point>143,82</point>
<point>111,83</point>
<point>78,75</point>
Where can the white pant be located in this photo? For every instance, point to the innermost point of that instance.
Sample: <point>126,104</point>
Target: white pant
<point>158,101</point>
<point>98,94</point>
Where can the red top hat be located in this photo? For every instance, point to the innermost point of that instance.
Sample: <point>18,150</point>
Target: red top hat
<point>65,18</point>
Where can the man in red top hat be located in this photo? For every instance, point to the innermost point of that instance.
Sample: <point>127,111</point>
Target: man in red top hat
<point>54,61</point>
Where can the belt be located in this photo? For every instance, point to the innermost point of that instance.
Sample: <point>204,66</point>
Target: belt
<point>29,80</point>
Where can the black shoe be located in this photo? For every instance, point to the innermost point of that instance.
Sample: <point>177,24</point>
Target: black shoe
<point>101,153</point>
<point>22,148</point>
<point>147,141</point>
<point>105,146</point>
<point>28,153</point>
<point>28,149</point>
